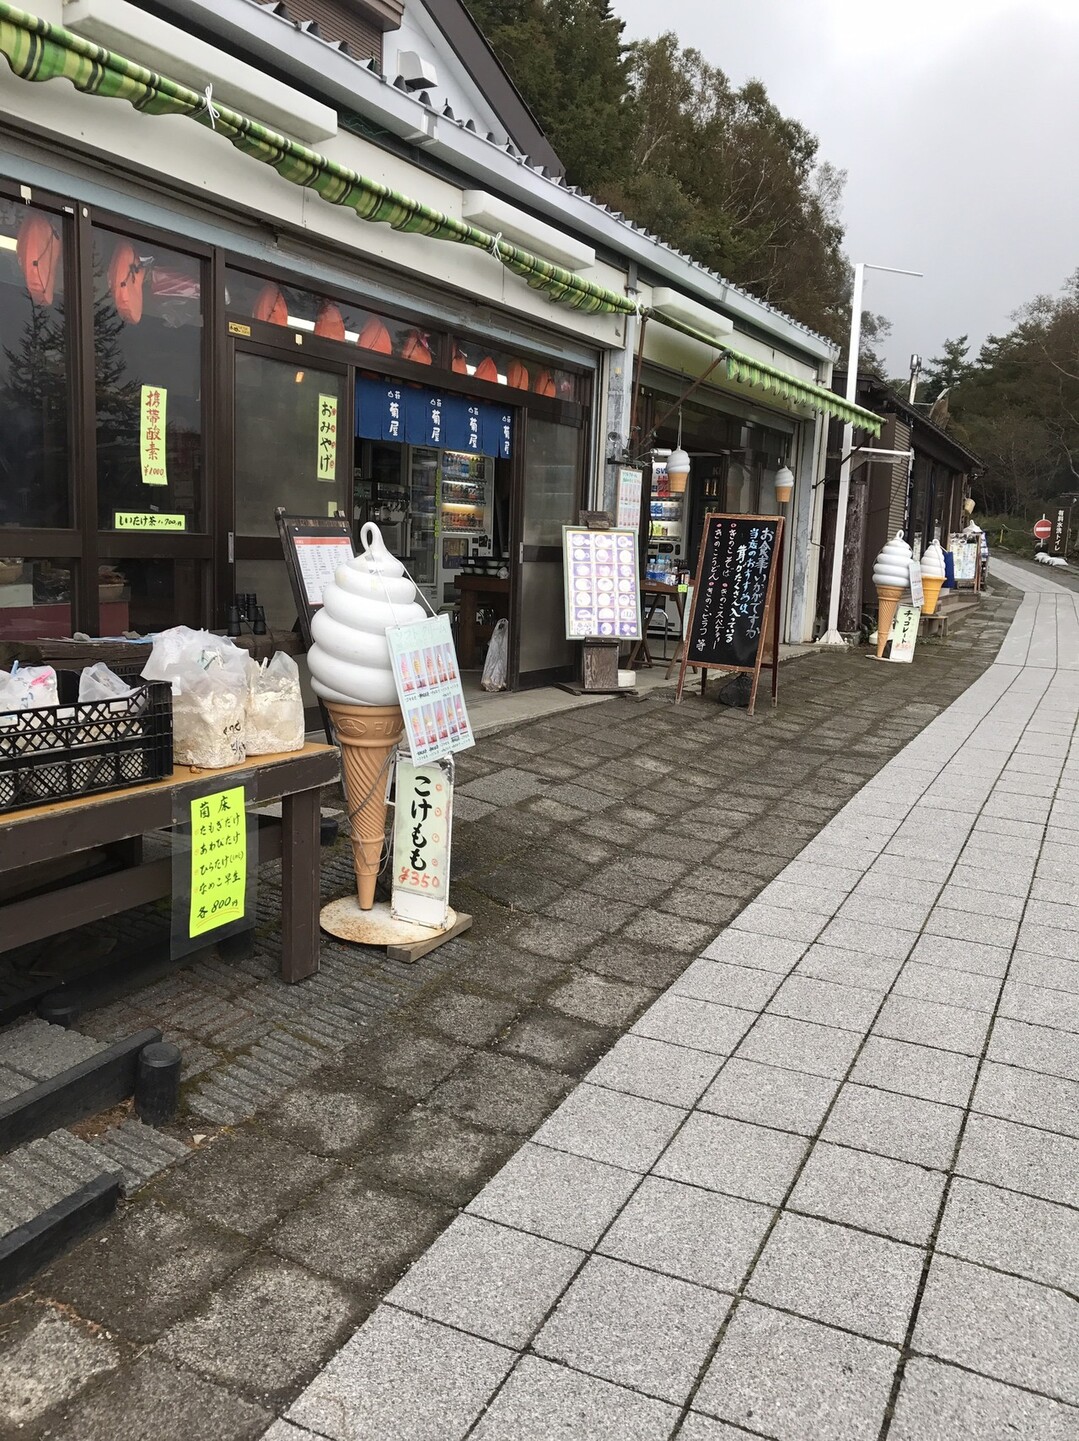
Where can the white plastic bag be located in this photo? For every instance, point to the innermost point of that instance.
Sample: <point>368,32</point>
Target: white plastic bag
<point>98,682</point>
<point>208,675</point>
<point>182,656</point>
<point>28,687</point>
<point>494,667</point>
<point>274,706</point>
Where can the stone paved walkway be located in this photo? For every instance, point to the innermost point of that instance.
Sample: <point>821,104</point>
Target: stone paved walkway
<point>825,1187</point>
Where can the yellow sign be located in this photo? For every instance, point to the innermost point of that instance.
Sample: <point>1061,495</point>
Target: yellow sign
<point>149,520</point>
<point>235,328</point>
<point>152,435</point>
<point>327,437</point>
<point>218,860</point>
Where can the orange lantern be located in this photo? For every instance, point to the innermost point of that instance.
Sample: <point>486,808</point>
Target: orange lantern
<point>416,349</point>
<point>459,364</point>
<point>544,384</point>
<point>38,250</point>
<point>127,274</point>
<point>271,306</point>
<point>517,375</point>
<point>487,370</point>
<point>330,322</point>
<point>375,336</point>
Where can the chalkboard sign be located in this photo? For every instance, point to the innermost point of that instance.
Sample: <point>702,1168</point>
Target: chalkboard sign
<point>735,613</point>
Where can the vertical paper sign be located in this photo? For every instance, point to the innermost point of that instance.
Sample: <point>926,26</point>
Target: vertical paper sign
<point>327,437</point>
<point>152,435</point>
<point>628,511</point>
<point>421,842</point>
<point>218,861</point>
<point>917,594</point>
<point>905,633</point>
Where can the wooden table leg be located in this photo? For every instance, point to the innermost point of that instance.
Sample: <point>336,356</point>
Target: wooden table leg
<point>300,870</point>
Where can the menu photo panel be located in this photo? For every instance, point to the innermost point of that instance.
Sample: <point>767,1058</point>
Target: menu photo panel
<point>602,584</point>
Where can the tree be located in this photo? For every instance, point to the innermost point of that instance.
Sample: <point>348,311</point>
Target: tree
<point>948,370</point>
<point>875,329</point>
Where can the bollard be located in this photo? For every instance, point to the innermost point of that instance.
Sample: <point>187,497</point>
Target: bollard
<point>59,1008</point>
<point>157,1083</point>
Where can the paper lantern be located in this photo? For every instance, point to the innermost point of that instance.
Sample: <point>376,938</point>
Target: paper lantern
<point>487,370</point>
<point>271,306</point>
<point>375,336</point>
<point>517,375</point>
<point>329,323</point>
<point>416,349</point>
<point>38,250</point>
<point>127,274</point>
<point>459,363</point>
<point>544,384</point>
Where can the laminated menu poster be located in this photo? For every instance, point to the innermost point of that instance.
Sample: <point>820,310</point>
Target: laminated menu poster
<point>428,681</point>
<point>735,612</point>
<point>602,580</point>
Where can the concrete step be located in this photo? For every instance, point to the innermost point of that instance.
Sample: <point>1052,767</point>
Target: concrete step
<point>38,1050</point>
<point>43,1174</point>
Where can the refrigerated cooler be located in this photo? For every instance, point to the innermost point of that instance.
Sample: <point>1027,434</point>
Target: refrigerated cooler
<point>465,515</point>
<point>665,561</point>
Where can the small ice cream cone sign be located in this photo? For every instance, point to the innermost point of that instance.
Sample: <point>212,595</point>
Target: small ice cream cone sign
<point>932,568</point>
<point>891,576</point>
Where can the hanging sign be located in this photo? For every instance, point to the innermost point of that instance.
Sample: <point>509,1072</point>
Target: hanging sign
<point>327,437</point>
<point>218,860</point>
<point>152,435</point>
<point>628,511</point>
<point>904,635</point>
<point>147,520</point>
<point>415,416</point>
<point>602,584</point>
<point>917,594</point>
<point>421,842</point>
<point>428,681</point>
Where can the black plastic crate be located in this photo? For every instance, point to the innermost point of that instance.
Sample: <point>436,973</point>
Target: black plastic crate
<point>81,748</point>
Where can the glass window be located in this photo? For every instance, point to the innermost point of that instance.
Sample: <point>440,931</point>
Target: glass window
<point>35,599</point>
<point>551,470</point>
<point>296,309</point>
<point>149,594</point>
<point>34,442</point>
<point>517,372</point>
<point>148,378</point>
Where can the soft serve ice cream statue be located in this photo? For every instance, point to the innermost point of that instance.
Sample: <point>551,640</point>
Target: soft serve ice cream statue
<point>932,566</point>
<point>349,659</point>
<point>891,576</point>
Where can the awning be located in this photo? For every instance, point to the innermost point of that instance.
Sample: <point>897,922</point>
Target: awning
<point>37,50</point>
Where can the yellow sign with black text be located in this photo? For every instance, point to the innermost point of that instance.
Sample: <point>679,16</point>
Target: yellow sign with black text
<point>218,861</point>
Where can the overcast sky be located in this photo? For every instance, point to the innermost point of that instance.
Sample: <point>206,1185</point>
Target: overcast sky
<point>957,122</point>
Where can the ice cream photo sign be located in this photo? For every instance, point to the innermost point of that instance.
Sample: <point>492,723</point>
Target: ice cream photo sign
<point>602,584</point>
<point>429,690</point>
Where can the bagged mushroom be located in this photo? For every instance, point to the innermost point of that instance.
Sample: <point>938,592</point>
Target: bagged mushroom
<point>274,706</point>
<point>208,675</point>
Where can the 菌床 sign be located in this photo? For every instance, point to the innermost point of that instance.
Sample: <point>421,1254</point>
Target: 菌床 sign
<point>218,860</point>
<point>421,842</point>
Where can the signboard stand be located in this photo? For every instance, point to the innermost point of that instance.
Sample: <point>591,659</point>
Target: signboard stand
<point>603,599</point>
<point>734,619</point>
<point>314,547</point>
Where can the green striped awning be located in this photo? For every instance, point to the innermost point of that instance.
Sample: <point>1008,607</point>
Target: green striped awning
<point>37,50</point>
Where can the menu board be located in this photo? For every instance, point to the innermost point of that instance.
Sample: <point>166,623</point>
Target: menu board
<point>602,578</point>
<point>734,611</point>
<point>428,681</point>
<point>318,557</point>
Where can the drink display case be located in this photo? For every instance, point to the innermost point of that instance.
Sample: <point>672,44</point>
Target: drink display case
<point>666,528</point>
<point>466,520</point>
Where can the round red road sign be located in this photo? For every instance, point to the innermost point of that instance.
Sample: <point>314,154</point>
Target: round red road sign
<point>1043,529</point>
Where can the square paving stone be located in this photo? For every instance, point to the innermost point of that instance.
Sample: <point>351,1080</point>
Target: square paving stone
<point>1036,1048</point>
<point>1013,1330</point>
<point>676,932</point>
<point>1028,1098</point>
<point>1040,1005</point>
<point>869,936</point>
<point>437,1155</point>
<point>760,919</point>
<point>509,972</point>
<point>942,1403</point>
<point>358,1232</point>
<point>955,955</point>
<point>801,1045</point>
<point>922,1071</point>
<point>683,1231</point>
<point>599,999</point>
<point>764,953</point>
<point>489,1280</point>
<point>402,1059</point>
<point>795,1379</point>
<point>332,1122</point>
<point>769,1095</point>
<point>635,1328</point>
<point>851,1008</point>
<point>725,985</point>
<point>1039,1163</point>
<point>907,1129</point>
<point>610,1126</point>
<point>696,905</point>
<point>141,1275</point>
<point>841,1277</point>
<point>48,1359</point>
<point>926,1023</point>
<point>734,1157</point>
<point>1012,1233</point>
<point>557,939</point>
<point>555,1194</point>
<point>471,1019</point>
<point>405,1377</point>
<point>636,962</point>
<point>501,1092</point>
<point>561,1042</point>
<point>266,1329</point>
<point>182,1405</point>
<point>872,1192</point>
<point>580,907</point>
<point>655,1069</point>
<point>544,1402</point>
<point>955,988</point>
<point>699,1024</point>
<point>1045,971</point>
<point>243,1181</point>
<point>848,968</point>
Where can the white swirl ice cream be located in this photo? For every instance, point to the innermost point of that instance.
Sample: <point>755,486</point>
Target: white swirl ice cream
<point>892,565</point>
<point>349,659</point>
<point>932,562</point>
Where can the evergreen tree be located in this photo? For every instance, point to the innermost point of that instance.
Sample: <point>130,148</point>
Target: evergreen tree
<point>948,370</point>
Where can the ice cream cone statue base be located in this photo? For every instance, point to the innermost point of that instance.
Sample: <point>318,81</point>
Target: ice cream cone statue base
<point>889,597</point>
<point>368,737</point>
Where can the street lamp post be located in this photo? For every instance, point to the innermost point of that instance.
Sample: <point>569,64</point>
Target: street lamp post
<point>832,635</point>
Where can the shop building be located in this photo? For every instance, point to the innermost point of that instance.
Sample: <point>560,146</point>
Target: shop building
<point>317,255</point>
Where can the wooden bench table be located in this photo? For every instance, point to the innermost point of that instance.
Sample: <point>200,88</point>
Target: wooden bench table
<point>119,819</point>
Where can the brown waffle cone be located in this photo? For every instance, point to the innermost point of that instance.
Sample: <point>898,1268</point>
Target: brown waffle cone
<point>889,597</point>
<point>931,588</point>
<point>367,735</point>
